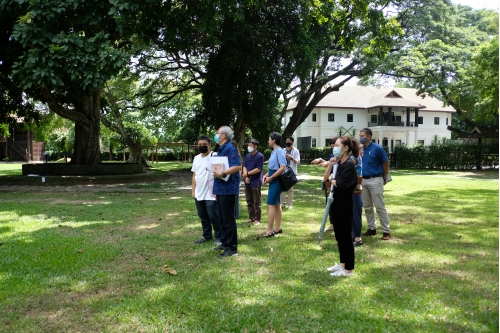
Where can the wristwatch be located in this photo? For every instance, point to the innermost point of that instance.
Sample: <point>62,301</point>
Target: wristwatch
<point>223,175</point>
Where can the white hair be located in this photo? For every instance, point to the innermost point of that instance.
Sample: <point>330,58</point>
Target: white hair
<point>228,131</point>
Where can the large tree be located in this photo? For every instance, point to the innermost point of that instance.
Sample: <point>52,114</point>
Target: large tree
<point>456,62</point>
<point>356,37</point>
<point>62,52</point>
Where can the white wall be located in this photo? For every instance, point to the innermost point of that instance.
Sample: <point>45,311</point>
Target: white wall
<point>323,129</point>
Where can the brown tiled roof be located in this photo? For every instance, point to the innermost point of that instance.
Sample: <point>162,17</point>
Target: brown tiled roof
<point>361,97</point>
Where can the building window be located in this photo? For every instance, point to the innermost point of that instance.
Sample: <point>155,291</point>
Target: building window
<point>398,119</point>
<point>313,142</point>
<point>314,116</point>
<point>350,118</point>
<point>421,142</point>
<point>398,142</point>
<point>374,118</point>
<point>327,142</point>
<point>446,121</point>
<point>331,117</point>
<point>436,120</point>
<point>420,120</point>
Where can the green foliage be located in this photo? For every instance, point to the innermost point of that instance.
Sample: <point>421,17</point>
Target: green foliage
<point>456,61</point>
<point>4,130</point>
<point>445,156</point>
<point>267,153</point>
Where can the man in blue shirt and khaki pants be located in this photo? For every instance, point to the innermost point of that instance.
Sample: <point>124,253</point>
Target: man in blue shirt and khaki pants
<point>375,170</point>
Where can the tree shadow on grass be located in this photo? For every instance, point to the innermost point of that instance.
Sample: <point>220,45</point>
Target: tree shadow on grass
<point>103,270</point>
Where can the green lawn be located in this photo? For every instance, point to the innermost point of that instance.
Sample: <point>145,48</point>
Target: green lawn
<point>96,261</point>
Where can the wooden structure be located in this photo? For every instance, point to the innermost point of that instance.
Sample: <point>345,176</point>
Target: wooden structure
<point>185,149</point>
<point>21,147</point>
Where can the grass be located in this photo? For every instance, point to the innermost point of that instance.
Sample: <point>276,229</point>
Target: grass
<point>96,261</point>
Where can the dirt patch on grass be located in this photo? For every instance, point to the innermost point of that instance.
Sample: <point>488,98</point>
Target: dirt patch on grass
<point>170,182</point>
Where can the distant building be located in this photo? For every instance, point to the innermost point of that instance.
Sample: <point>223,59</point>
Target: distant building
<point>395,115</point>
<point>21,147</point>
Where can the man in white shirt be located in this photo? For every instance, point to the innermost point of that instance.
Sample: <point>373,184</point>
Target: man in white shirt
<point>293,160</point>
<point>201,190</point>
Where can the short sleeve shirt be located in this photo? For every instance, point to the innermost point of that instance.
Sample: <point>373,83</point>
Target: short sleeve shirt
<point>374,157</point>
<point>277,159</point>
<point>232,185</point>
<point>203,177</point>
<point>252,162</point>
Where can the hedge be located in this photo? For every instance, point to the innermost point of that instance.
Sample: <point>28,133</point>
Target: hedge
<point>445,156</point>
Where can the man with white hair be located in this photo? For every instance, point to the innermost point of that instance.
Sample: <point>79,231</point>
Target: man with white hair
<point>226,191</point>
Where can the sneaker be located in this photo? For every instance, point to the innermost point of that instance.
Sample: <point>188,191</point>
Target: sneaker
<point>283,205</point>
<point>228,253</point>
<point>218,248</point>
<point>340,272</point>
<point>290,207</point>
<point>335,268</point>
<point>386,236</point>
<point>217,242</point>
<point>370,232</point>
<point>201,240</point>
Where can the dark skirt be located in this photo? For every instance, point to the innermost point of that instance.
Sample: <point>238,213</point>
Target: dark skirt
<point>274,193</point>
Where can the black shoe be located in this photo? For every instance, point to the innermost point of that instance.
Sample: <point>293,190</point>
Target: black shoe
<point>269,235</point>
<point>228,253</point>
<point>218,248</point>
<point>370,232</point>
<point>201,240</point>
<point>357,243</point>
<point>278,232</point>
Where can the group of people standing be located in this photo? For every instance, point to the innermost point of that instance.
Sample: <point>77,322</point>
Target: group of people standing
<point>216,193</point>
<point>362,169</point>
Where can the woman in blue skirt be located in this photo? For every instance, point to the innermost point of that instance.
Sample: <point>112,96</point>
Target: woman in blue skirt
<point>276,165</point>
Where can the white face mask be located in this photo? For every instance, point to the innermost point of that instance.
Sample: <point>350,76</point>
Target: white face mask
<point>250,149</point>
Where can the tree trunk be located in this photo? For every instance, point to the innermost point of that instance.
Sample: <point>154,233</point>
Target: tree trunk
<point>135,154</point>
<point>87,150</point>
<point>87,117</point>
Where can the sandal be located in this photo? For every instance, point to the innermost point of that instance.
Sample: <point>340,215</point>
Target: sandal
<point>278,232</point>
<point>269,235</point>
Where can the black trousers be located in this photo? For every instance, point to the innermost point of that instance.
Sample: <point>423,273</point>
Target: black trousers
<point>229,232</point>
<point>341,218</point>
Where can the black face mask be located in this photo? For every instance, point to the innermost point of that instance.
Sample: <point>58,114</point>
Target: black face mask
<point>288,144</point>
<point>203,149</point>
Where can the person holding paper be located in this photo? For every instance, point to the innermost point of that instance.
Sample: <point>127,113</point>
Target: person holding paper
<point>226,187</point>
<point>341,209</point>
<point>201,191</point>
<point>375,171</point>
<point>276,165</point>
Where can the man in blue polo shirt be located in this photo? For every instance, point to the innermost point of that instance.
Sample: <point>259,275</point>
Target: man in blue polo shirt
<point>375,170</point>
<point>252,174</point>
<point>226,191</point>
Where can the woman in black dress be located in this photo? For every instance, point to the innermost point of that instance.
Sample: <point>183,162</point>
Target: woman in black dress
<point>341,209</point>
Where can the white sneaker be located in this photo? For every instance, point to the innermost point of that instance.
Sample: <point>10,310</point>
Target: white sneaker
<point>290,207</point>
<point>334,268</point>
<point>340,272</point>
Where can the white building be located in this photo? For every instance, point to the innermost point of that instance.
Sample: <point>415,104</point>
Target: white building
<point>395,116</point>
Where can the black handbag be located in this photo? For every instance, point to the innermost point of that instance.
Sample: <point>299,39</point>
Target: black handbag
<point>287,179</point>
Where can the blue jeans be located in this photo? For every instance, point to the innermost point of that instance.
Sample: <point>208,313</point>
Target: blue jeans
<point>209,216</point>
<point>357,211</point>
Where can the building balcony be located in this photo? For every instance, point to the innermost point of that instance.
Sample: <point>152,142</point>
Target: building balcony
<point>393,123</point>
